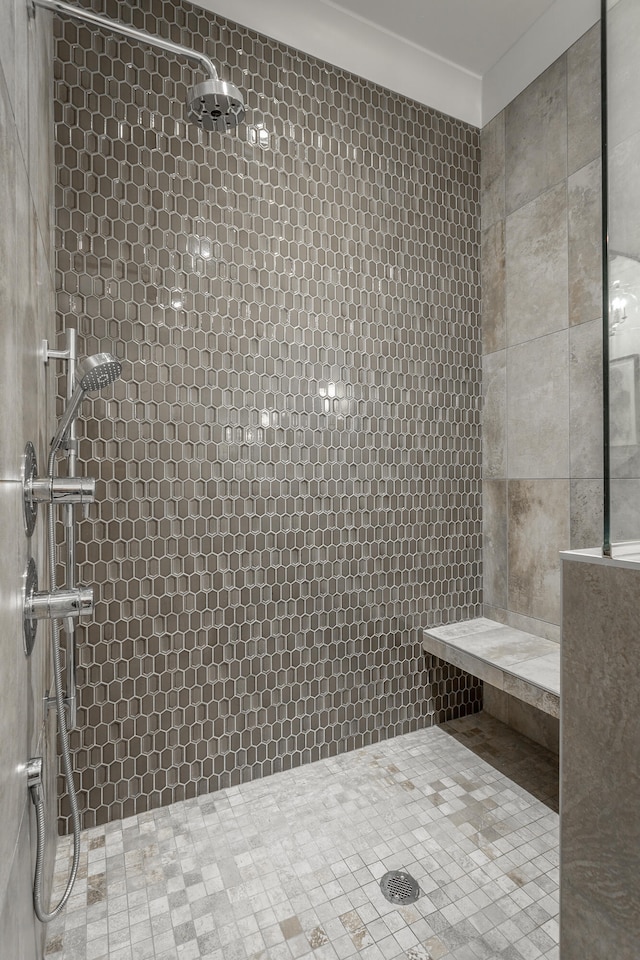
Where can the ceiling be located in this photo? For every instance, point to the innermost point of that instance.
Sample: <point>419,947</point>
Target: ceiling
<point>468,58</point>
<point>471,33</point>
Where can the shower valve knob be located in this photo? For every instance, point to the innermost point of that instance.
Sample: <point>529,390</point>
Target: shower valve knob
<point>49,605</point>
<point>61,603</point>
<point>61,490</point>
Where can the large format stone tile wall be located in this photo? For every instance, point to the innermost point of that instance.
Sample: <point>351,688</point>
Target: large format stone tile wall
<point>289,470</point>
<point>26,317</point>
<point>542,337</point>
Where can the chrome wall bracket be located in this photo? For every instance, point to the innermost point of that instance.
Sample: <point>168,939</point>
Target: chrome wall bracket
<point>46,351</point>
<point>50,703</point>
<point>34,778</point>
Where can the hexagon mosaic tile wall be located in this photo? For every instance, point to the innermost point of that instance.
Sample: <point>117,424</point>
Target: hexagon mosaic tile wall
<point>289,470</point>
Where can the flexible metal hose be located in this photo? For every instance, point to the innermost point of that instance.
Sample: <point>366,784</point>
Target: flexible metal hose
<point>63,733</point>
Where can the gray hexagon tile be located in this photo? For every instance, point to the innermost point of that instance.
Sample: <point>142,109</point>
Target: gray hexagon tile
<point>289,470</point>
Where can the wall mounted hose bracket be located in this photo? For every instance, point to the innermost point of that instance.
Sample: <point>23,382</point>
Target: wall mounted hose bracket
<point>34,779</point>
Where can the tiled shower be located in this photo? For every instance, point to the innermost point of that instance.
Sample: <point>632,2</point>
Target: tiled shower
<point>289,472</point>
<point>289,469</point>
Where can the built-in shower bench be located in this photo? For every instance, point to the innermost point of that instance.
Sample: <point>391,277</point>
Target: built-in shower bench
<point>521,664</point>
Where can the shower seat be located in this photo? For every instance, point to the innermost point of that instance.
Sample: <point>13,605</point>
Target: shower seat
<point>521,664</point>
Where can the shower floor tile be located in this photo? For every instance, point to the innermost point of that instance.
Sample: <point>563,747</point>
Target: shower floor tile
<point>289,866</point>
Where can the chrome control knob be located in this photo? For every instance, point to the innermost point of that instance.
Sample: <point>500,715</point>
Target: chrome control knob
<point>44,605</point>
<point>59,604</point>
<point>61,490</point>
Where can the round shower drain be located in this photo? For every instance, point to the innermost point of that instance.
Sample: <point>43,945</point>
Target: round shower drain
<point>399,887</point>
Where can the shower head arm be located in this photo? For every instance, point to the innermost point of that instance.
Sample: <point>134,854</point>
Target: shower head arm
<point>67,9</point>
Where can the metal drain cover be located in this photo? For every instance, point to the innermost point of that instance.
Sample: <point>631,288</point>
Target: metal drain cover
<point>399,887</point>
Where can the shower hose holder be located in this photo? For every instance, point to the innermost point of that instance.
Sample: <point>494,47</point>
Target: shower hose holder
<point>34,779</point>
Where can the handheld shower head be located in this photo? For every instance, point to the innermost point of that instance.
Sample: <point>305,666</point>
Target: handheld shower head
<point>215,104</point>
<point>92,373</point>
<point>98,371</point>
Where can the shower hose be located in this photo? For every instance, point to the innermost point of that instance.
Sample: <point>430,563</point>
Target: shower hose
<point>37,794</point>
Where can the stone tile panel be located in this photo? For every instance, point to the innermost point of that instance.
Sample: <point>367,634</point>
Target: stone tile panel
<point>538,408</point>
<point>537,267</point>
<point>536,137</point>
<point>538,530</point>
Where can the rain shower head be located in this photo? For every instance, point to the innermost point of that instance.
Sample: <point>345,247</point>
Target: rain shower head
<point>215,105</point>
<point>92,373</point>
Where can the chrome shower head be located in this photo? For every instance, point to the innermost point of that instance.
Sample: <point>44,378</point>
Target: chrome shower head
<point>98,371</point>
<point>92,373</point>
<point>215,105</point>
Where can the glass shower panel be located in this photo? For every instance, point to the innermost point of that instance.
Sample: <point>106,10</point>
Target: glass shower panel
<point>622,324</point>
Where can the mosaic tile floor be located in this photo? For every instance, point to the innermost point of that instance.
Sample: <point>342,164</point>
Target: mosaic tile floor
<point>289,866</point>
